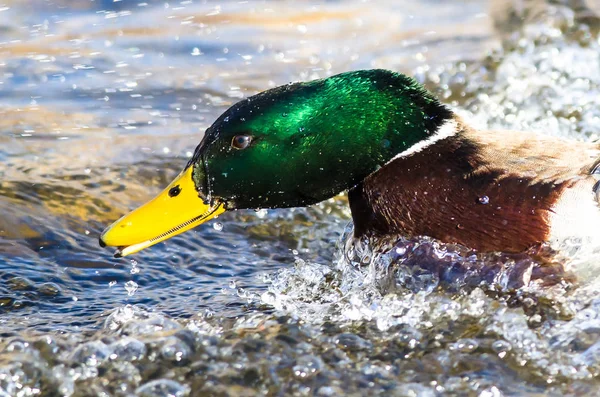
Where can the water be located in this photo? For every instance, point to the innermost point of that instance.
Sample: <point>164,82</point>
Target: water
<point>102,104</point>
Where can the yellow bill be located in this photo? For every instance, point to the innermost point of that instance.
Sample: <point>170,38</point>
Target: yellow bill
<point>176,209</point>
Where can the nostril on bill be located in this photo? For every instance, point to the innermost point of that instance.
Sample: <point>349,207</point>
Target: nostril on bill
<point>174,191</point>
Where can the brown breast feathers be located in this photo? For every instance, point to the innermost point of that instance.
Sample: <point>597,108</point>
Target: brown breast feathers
<point>491,191</point>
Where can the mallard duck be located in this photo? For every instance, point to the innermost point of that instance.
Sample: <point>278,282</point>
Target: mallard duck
<point>411,167</point>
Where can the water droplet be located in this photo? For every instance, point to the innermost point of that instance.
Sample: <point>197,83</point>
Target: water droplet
<point>218,226</point>
<point>483,200</point>
<point>134,268</point>
<point>131,287</point>
<point>112,284</point>
<point>232,284</point>
<point>294,252</point>
<point>261,213</point>
<point>269,298</point>
<point>266,278</point>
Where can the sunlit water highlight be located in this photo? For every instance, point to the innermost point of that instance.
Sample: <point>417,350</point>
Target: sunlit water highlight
<point>102,104</point>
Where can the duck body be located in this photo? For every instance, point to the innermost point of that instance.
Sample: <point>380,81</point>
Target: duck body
<point>410,165</point>
<point>501,190</point>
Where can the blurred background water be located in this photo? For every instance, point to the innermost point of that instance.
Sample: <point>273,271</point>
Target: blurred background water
<point>102,103</point>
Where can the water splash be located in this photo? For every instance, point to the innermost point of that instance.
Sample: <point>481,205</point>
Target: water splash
<point>371,274</point>
<point>131,287</point>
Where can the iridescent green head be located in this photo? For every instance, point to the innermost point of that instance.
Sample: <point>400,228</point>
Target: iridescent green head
<point>302,143</point>
<point>290,146</point>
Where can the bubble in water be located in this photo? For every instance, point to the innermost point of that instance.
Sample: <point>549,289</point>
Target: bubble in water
<point>174,349</point>
<point>218,226</point>
<point>491,392</point>
<point>501,347</point>
<point>232,284</point>
<point>162,387</point>
<point>128,349</point>
<point>131,287</point>
<point>307,366</point>
<point>17,346</point>
<point>464,345</point>
<point>484,200</point>
<point>91,353</point>
<point>112,284</point>
<point>351,342</point>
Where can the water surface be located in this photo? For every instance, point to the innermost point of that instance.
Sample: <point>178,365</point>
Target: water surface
<point>102,104</point>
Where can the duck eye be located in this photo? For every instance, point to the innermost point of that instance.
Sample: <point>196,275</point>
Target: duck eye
<point>241,141</point>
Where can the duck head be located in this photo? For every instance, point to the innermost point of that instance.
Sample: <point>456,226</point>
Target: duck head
<point>290,146</point>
